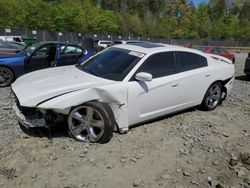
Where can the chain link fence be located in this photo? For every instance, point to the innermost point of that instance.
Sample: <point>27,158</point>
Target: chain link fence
<point>43,35</point>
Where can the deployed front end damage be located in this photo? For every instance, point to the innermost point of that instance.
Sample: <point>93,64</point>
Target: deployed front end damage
<point>57,108</point>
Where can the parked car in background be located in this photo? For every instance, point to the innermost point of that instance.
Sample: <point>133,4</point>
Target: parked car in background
<point>247,66</point>
<point>12,39</point>
<point>104,43</point>
<point>39,56</point>
<point>218,51</point>
<point>7,48</point>
<point>127,42</point>
<point>122,86</point>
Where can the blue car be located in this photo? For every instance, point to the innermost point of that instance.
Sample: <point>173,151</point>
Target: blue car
<point>39,56</point>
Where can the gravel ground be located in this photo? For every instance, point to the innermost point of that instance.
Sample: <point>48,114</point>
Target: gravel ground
<point>190,149</point>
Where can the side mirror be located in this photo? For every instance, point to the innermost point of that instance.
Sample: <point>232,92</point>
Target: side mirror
<point>143,76</point>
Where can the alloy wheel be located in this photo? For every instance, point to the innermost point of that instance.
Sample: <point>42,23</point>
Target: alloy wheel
<point>6,76</point>
<point>213,97</point>
<point>86,124</point>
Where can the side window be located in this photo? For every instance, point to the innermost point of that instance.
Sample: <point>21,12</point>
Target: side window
<point>44,51</point>
<point>70,50</point>
<point>188,61</point>
<point>78,50</point>
<point>159,65</point>
<point>17,39</point>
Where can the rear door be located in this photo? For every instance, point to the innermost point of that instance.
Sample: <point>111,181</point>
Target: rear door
<point>70,54</point>
<point>194,78</point>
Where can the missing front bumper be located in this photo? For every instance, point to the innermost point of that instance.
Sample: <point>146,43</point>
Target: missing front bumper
<point>30,120</point>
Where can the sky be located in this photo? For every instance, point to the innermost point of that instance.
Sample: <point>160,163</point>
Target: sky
<point>196,2</point>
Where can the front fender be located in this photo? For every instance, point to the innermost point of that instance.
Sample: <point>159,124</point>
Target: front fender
<point>113,95</point>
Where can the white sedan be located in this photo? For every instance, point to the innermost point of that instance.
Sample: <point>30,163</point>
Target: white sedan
<point>122,86</point>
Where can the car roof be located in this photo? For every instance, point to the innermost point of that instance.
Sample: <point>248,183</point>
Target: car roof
<point>149,47</point>
<point>57,42</point>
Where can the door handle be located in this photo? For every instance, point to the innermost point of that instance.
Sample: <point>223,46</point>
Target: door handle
<point>208,75</point>
<point>174,84</point>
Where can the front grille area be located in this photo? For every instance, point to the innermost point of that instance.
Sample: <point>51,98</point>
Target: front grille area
<point>26,111</point>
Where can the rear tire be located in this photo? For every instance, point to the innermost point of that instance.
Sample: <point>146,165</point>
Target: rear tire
<point>233,60</point>
<point>91,122</point>
<point>212,97</point>
<point>6,77</point>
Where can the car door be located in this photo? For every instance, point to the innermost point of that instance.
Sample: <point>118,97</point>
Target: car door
<point>38,59</point>
<point>194,78</point>
<point>70,55</point>
<point>147,100</point>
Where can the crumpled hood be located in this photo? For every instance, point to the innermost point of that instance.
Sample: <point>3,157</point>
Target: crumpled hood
<point>36,87</point>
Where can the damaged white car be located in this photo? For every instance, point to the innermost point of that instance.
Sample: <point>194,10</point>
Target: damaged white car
<point>122,86</point>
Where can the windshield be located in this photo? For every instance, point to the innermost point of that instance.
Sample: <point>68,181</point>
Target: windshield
<point>113,64</point>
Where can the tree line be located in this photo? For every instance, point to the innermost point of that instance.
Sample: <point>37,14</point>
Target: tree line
<point>219,19</point>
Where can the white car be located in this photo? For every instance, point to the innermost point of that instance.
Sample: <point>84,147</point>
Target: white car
<point>122,86</point>
<point>104,43</point>
<point>127,42</point>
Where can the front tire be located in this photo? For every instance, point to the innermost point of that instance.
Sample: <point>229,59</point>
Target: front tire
<point>6,77</point>
<point>212,97</point>
<point>92,121</point>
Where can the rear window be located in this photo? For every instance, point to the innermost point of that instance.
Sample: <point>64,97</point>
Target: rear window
<point>201,48</point>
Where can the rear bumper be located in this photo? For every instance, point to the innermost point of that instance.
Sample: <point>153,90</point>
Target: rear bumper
<point>28,121</point>
<point>229,85</point>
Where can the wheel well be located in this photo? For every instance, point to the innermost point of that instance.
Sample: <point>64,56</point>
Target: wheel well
<point>224,89</point>
<point>116,127</point>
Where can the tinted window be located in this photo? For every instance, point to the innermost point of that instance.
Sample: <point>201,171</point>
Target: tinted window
<point>188,61</point>
<point>113,64</point>
<point>160,64</point>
